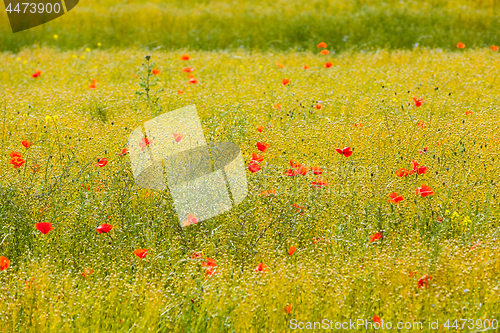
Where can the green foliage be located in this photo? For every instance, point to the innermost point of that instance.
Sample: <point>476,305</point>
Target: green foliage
<point>147,83</point>
<point>266,25</point>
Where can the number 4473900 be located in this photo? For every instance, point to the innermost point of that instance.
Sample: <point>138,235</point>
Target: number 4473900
<point>34,8</point>
<point>471,324</point>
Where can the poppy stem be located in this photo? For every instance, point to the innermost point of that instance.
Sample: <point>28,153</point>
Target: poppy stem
<point>267,227</point>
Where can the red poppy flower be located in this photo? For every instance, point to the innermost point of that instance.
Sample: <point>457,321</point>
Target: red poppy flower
<point>418,102</point>
<point>185,57</point>
<point>395,198</point>
<point>260,128</point>
<point>178,137</point>
<point>17,162</point>
<point>292,250</point>
<point>180,92</point>
<point>322,45</point>
<point>192,219</point>
<point>280,65</point>
<point>299,209</point>
<point>424,190</point>
<point>101,162</point>
<point>124,152</point>
<point>268,193</point>
<point>415,166</point>
<point>263,268</point>
<point>36,74</point>
<point>291,172</point>
<point>461,45</point>
<point>375,237</point>
<point>468,113</point>
<point>156,71</point>
<point>141,253</point>
<point>328,64</point>
<point>494,48</point>
<point>190,76</point>
<point>277,106</point>
<point>285,81</point>
<point>325,52</point>
<point>188,69</point>
<point>257,157</point>
<point>319,183</point>
<point>424,281</point>
<point>93,84</point>
<point>44,227</point>
<point>145,143</point>
<point>402,172</point>
<point>347,151</point>
<point>359,125</point>
<point>15,154</point>
<point>210,271</point>
<point>27,144</point>
<point>197,255</point>
<point>209,263</point>
<point>104,228</point>
<point>288,308</point>
<point>4,263</point>
<point>316,170</point>
<point>35,168</point>
<point>254,167</point>
<point>418,169</point>
<point>262,146</point>
<point>193,81</point>
<point>87,271</point>
<point>305,67</point>
<point>303,170</point>
<point>376,319</point>
<point>319,106</point>
<point>424,150</point>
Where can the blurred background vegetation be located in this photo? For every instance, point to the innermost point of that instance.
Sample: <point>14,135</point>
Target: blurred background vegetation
<point>265,25</point>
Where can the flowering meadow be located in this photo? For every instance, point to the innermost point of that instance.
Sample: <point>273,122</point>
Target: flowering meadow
<point>373,190</point>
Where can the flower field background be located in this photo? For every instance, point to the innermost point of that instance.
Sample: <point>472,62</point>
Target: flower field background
<point>373,176</point>
<point>74,278</point>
